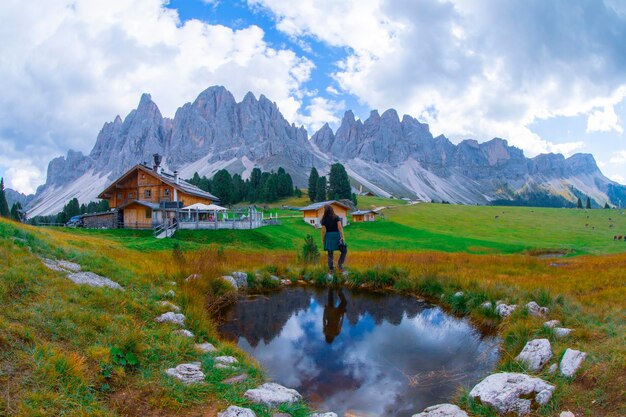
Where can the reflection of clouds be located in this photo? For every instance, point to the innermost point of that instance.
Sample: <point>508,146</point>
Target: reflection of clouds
<point>385,369</point>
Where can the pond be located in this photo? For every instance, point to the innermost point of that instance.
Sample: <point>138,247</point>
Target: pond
<point>360,354</point>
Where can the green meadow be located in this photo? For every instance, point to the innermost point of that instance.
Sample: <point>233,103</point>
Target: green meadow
<point>420,227</point>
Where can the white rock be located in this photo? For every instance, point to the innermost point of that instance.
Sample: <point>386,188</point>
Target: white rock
<point>173,283</point>
<point>171,317</point>
<point>52,264</point>
<point>93,280</point>
<point>206,347</point>
<point>170,294</point>
<point>223,366</point>
<point>331,414</point>
<point>486,305</point>
<point>571,362</point>
<point>226,360</point>
<point>170,306</point>
<point>562,331</point>
<point>285,282</point>
<point>552,368</point>
<point>442,410</point>
<point>230,281</point>
<point>509,392</point>
<point>272,395</point>
<point>274,278</point>
<point>458,294</point>
<point>567,414</point>
<point>536,310</point>
<point>241,278</point>
<point>551,324</point>
<point>70,266</point>
<point>188,373</point>
<point>535,354</point>
<point>184,332</point>
<point>234,411</point>
<point>505,310</point>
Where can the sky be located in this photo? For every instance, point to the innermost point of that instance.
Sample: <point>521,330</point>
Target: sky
<point>547,75</point>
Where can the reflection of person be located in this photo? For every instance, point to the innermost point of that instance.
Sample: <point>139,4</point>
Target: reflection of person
<point>333,238</point>
<point>333,316</point>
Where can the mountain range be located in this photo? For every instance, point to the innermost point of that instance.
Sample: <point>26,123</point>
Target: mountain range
<point>384,154</point>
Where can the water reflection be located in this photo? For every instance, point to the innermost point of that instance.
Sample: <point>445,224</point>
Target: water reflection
<point>369,355</point>
<point>333,315</point>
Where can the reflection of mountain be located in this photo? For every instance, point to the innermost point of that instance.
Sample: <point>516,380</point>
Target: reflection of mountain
<point>393,357</point>
<point>262,317</point>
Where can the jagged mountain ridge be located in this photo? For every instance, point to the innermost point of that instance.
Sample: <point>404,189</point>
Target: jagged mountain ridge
<point>384,154</point>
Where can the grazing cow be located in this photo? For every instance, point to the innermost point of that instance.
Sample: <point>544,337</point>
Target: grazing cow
<point>619,237</point>
<point>615,237</point>
<point>586,224</point>
<point>497,217</point>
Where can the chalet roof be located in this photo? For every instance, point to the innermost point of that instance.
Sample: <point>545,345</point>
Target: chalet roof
<point>169,179</point>
<point>358,212</point>
<point>153,206</point>
<point>316,206</point>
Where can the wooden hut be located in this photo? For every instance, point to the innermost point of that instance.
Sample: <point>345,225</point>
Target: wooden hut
<point>313,213</point>
<point>145,196</point>
<point>364,216</point>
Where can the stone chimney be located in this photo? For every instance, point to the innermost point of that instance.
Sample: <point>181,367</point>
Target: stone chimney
<point>157,163</point>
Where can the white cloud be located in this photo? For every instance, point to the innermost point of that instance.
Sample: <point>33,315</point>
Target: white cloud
<point>69,66</point>
<point>488,68</point>
<point>604,120</point>
<point>618,157</point>
<point>618,178</point>
<point>321,111</point>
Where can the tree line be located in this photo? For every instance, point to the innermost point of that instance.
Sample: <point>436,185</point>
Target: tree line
<point>71,209</point>
<point>336,187</point>
<point>261,187</point>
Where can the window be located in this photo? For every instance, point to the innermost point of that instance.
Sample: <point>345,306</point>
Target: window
<point>148,193</point>
<point>119,196</point>
<point>148,213</point>
<point>167,192</point>
<point>131,195</point>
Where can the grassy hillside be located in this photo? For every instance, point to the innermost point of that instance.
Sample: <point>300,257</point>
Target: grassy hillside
<point>60,342</point>
<point>420,227</point>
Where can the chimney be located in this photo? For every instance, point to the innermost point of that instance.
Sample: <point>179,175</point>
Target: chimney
<point>176,180</point>
<point>157,162</point>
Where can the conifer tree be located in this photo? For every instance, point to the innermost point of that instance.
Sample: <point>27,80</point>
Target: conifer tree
<point>4,206</point>
<point>606,205</point>
<point>222,185</point>
<point>588,203</point>
<point>15,211</point>
<point>321,189</point>
<point>313,180</point>
<point>339,183</point>
<point>579,204</point>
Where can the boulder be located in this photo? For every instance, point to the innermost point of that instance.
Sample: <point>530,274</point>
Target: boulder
<point>226,360</point>
<point>562,331</point>
<point>230,281</point>
<point>272,395</point>
<point>510,392</point>
<point>458,294</point>
<point>52,264</point>
<point>237,379</point>
<point>505,310</point>
<point>170,306</point>
<point>486,305</point>
<point>285,282</point>
<point>331,414</point>
<point>551,324</point>
<point>93,280</point>
<point>535,354</point>
<point>442,410</point>
<point>188,373</point>
<point>552,368</point>
<point>170,294</point>
<point>536,310</point>
<point>572,359</point>
<point>70,266</point>
<point>567,414</point>
<point>171,317</point>
<point>234,411</point>
<point>184,333</point>
<point>241,278</point>
<point>206,347</point>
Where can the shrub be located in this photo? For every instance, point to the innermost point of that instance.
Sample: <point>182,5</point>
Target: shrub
<point>310,252</point>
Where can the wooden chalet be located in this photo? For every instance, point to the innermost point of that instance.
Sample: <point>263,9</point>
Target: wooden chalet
<point>313,213</point>
<point>364,216</point>
<point>147,196</point>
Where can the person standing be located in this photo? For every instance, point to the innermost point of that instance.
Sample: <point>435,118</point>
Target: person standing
<point>333,238</point>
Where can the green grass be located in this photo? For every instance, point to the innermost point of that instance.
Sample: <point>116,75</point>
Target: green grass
<point>420,227</point>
